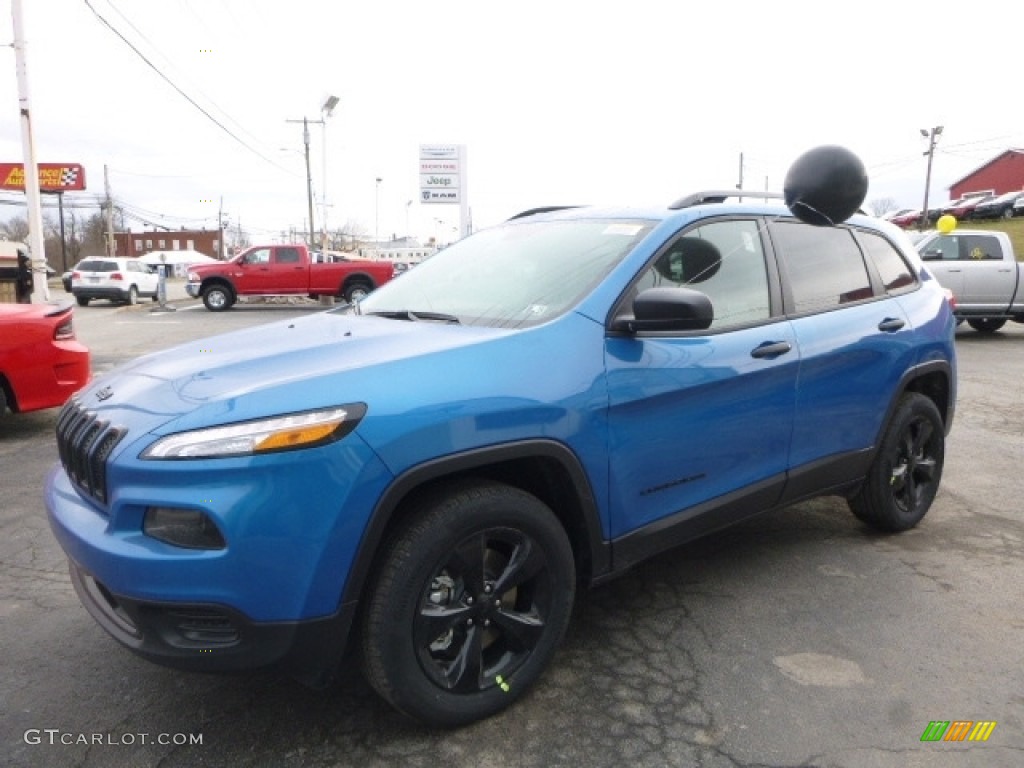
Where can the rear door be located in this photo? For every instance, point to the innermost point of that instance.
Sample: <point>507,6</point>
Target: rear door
<point>989,277</point>
<point>855,342</point>
<point>290,273</point>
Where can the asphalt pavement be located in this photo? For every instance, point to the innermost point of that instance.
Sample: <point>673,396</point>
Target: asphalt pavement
<point>800,638</point>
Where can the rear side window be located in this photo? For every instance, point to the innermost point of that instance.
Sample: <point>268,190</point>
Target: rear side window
<point>824,266</point>
<point>894,272</point>
<point>287,255</point>
<point>963,248</point>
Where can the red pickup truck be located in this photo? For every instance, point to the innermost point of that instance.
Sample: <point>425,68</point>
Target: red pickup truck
<point>283,270</point>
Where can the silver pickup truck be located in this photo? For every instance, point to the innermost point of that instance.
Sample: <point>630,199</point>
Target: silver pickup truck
<point>981,269</point>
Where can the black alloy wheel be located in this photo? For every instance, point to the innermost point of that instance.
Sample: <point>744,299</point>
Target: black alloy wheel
<point>907,469</point>
<point>470,604</point>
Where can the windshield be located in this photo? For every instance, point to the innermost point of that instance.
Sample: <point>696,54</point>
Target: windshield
<point>514,275</point>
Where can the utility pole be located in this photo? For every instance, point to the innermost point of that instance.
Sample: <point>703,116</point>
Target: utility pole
<point>933,137</point>
<point>111,251</point>
<point>40,289</point>
<point>309,176</point>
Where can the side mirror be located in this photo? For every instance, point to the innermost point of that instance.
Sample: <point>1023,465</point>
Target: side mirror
<point>667,309</point>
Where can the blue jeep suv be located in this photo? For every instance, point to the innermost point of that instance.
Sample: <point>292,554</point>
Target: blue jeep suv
<point>429,476</point>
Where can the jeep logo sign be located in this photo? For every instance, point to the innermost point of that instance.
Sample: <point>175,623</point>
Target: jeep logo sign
<point>441,173</point>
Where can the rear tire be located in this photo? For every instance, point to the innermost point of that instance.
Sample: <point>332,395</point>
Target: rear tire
<point>133,296</point>
<point>82,301</point>
<point>357,292</point>
<point>905,474</point>
<point>986,324</point>
<point>471,600</point>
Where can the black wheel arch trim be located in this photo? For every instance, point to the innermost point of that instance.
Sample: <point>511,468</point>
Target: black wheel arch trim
<point>217,280</point>
<point>466,462</point>
<point>358,277</point>
<point>910,378</point>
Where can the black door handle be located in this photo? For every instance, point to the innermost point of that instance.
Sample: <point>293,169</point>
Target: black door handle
<point>891,324</point>
<point>771,349</point>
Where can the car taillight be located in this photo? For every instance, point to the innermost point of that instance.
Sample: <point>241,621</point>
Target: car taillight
<point>64,330</point>
<point>76,275</point>
<point>116,276</point>
<point>951,298</point>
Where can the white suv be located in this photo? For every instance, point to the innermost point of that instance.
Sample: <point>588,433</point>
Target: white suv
<point>117,279</point>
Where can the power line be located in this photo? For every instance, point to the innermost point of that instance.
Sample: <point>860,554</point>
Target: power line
<point>188,98</point>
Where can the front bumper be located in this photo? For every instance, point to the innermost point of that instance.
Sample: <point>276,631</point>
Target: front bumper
<point>213,638</point>
<point>192,289</point>
<point>292,523</point>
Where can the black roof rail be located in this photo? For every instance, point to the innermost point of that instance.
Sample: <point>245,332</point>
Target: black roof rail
<point>545,209</point>
<point>720,196</point>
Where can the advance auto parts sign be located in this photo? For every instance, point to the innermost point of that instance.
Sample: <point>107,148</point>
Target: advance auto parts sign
<point>53,177</point>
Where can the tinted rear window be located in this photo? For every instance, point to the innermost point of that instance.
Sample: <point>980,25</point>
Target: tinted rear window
<point>824,265</point>
<point>97,265</point>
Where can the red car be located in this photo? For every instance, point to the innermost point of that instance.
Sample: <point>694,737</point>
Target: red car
<point>41,362</point>
<point>908,219</point>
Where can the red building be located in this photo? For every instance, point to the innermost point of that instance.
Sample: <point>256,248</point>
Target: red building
<point>1003,173</point>
<point>207,242</point>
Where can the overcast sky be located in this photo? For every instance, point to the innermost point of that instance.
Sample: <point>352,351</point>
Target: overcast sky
<point>557,102</point>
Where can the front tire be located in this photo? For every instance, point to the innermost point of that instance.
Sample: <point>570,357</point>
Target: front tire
<point>905,475</point>
<point>986,324</point>
<point>469,605</point>
<point>217,298</point>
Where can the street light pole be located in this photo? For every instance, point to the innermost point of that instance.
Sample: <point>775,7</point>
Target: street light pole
<point>376,214</point>
<point>932,137</point>
<point>326,111</point>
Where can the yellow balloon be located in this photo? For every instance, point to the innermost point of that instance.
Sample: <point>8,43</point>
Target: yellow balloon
<point>946,224</point>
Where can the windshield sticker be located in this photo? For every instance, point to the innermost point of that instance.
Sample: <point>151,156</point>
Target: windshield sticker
<point>629,230</point>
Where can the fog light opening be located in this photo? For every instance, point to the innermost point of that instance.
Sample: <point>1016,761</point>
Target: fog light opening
<point>188,528</point>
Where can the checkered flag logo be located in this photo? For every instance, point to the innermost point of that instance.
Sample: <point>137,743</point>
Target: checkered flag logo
<point>68,177</point>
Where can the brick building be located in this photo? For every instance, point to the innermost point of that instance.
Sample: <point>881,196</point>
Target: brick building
<point>207,242</point>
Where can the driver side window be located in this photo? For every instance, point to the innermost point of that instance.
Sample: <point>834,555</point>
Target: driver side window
<point>725,261</point>
<point>262,256</point>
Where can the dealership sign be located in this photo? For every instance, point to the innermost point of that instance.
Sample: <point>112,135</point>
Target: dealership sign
<point>53,177</point>
<point>441,173</point>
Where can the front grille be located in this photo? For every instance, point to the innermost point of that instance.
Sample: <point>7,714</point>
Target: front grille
<point>85,442</point>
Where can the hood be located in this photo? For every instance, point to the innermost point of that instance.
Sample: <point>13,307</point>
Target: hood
<point>267,369</point>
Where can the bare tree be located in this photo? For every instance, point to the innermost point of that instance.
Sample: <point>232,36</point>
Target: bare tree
<point>883,205</point>
<point>346,237</point>
<point>16,229</point>
<point>94,239</point>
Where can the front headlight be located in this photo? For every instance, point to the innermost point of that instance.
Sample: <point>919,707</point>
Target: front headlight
<point>249,438</point>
